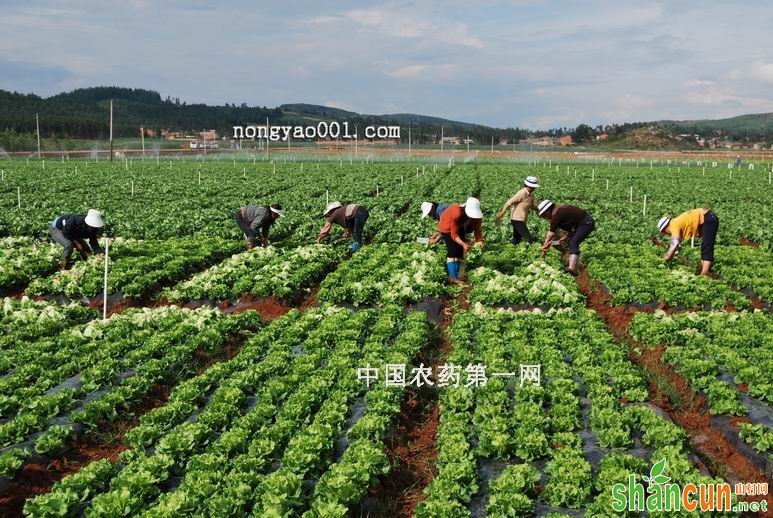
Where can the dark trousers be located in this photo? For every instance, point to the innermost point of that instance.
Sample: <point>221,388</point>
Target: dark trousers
<point>360,217</point>
<point>709,236</point>
<point>586,226</point>
<point>244,225</point>
<point>521,232</point>
<point>453,249</point>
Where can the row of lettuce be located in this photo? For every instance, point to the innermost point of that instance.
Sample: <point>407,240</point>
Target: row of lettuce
<point>268,432</point>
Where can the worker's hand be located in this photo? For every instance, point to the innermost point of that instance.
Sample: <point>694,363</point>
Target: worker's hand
<point>481,244</point>
<point>318,240</point>
<point>465,247</point>
<point>250,244</point>
<point>563,240</point>
<point>345,234</point>
<point>498,218</point>
<point>433,239</point>
<point>543,252</point>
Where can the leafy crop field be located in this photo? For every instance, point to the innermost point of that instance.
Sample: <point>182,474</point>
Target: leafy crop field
<point>303,379</point>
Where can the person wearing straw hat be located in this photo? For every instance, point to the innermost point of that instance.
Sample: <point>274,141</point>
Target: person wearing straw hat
<point>694,223</point>
<point>522,203</point>
<point>576,222</point>
<point>452,229</point>
<point>252,218</point>
<point>433,210</point>
<point>71,231</point>
<point>351,217</point>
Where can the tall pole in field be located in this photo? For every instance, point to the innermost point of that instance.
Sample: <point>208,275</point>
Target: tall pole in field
<point>142,136</point>
<point>111,130</point>
<point>441,140</point>
<point>104,293</point>
<point>37,125</point>
<point>409,140</point>
<point>267,153</point>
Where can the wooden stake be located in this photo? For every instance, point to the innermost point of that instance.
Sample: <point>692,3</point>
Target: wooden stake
<point>104,290</point>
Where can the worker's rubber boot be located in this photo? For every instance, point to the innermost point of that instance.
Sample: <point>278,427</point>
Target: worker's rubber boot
<point>573,260</point>
<point>706,267</point>
<point>356,246</point>
<point>453,272</point>
<point>64,264</point>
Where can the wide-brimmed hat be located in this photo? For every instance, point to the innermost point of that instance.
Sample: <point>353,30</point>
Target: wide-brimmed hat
<point>426,208</point>
<point>331,207</point>
<point>472,208</point>
<point>277,209</point>
<point>663,223</point>
<point>531,181</point>
<point>94,219</point>
<point>543,206</point>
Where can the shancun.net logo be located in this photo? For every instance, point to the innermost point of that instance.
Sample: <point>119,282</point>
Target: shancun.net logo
<point>663,496</point>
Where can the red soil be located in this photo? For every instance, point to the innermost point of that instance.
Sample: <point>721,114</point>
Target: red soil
<point>105,443</point>
<point>752,244</point>
<point>268,307</point>
<point>688,409</point>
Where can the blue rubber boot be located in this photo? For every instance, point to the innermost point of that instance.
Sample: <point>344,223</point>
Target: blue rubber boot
<point>356,246</point>
<point>453,270</point>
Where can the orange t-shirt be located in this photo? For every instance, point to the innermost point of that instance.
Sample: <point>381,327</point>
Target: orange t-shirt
<point>451,222</point>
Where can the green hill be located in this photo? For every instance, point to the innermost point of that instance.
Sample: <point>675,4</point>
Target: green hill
<point>752,124</point>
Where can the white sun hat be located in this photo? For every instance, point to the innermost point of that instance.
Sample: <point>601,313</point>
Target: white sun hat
<point>94,219</point>
<point>277,209</point>
<point>531,181</point>
<point>472,208</point>
<point>663,223</point>
<point>331,206</point>
<point>426,208</point>
<point>543,206</point>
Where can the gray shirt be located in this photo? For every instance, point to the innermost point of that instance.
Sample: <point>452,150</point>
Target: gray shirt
<point>258,218</point>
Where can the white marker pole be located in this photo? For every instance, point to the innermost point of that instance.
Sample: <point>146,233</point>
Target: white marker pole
<point>376,190</point>
<point>132,188</point>
<point>607,183</point>
<point>630,197</point>
<point>402,180</point>
<point>644,211</point>
<point>327,197</point>
<point>199,176</point>
<point>104,291</point>
<point>18,196</point>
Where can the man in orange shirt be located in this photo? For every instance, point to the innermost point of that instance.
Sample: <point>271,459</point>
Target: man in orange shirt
<point>451,228</point>
<point>694,223</point>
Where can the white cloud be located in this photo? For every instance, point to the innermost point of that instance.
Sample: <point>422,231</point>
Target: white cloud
<point>433,72</point>
<point>762,71</point>
<point>401,23</point>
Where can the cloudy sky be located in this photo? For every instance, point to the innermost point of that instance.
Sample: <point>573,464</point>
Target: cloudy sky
<point>534,64</point>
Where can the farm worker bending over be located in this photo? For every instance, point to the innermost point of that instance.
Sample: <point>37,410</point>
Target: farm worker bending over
<point>70,230</point>
<point>250,218</point>
<point>451,228</point>
<point>693,223</point>
<point>522,203</point>
<point>576,222</point>
<point>351,217</point>
<point>433,210</point>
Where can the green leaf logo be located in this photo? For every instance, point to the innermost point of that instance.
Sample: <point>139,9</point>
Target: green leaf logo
<point>656,474</point>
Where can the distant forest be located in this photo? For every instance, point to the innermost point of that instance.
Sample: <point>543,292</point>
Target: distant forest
<point>84,114</point>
